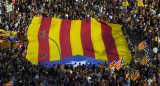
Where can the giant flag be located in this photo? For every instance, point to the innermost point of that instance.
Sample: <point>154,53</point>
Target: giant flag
<point>96,39</point>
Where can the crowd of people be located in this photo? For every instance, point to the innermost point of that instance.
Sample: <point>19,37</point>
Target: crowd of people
<point>143,23</point>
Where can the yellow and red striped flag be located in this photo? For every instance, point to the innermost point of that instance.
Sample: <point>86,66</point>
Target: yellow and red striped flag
<point>96,39</point>
<point>112,64</point>
<point>142,45</point>
<point>119,64</point>
<point>137,74</point>
<point>5,44</point>
<point>132,76</point>
<point>145,59</point>
<point>42,83</point>
<point>5,34</point>
<point>140,3</point>
<point>11,83</point>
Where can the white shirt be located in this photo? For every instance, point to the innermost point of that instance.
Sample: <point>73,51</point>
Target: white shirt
<point>155,49</point>
<point>36,77</point>
<point>112,69</point>
<point>149,81</point>
<point>159,15</point>
<point>110,16</point>
<point>101,9</point>
<point>88,78</point>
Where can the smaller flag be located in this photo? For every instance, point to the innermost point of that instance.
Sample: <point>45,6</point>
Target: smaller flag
<point>122,12</point>
<point>11,83</point>
<point>3,38</point>
<point>5,44</point>
<point>112,64</point>
<point>42,83</point>
<point>125,3</point>
<point>5,34</point>
<point>137,74</point>
<point>17,44</point>
<point>153,3</point>
<point>121,7</point>
<point>119,64</point>
<point>145,59</point>
<point>12,39</point>
<point>140,3</point>
<point>127,77</point>
<point>132,76</point>
<point>133,11</point>
<point>142,45</point>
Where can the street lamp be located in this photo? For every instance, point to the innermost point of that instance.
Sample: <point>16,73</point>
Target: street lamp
<point>59,54</point>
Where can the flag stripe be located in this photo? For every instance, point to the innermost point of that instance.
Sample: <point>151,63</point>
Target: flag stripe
<point>120,42</point>
<point>109,42</point>
<point>33,47</point>
<point>65,38</point>
<point>44,41</point>
<point>75,37</point>
<point>98,44</point>
<point>54,34</point>
<point>87,45</point>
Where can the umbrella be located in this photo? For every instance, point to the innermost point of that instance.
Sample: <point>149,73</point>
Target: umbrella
<point>133,11</point>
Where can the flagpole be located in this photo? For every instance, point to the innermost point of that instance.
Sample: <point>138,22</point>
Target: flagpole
<point>145,50</point>
<point>59,54</point>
